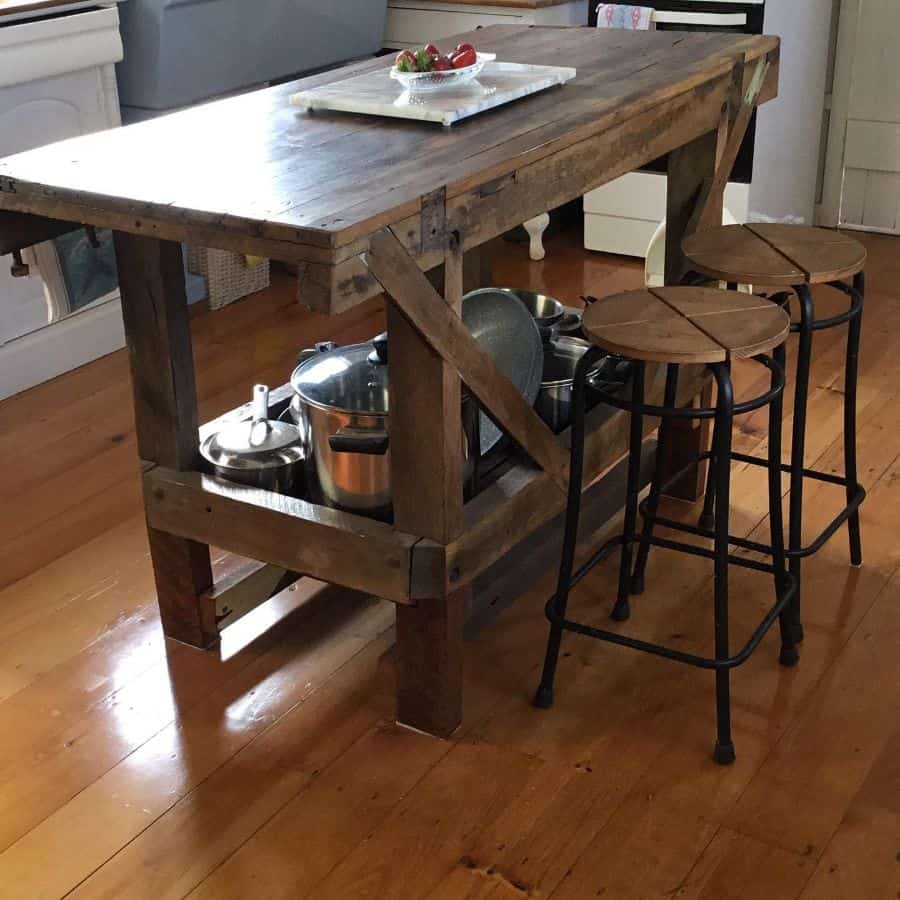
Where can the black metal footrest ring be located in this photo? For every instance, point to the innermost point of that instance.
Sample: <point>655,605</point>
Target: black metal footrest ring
<point>701,662</point>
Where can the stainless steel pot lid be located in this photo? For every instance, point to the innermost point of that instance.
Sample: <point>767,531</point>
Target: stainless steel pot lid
<point>260,443</point>
<point>351,379</point>
<point>506,330</point>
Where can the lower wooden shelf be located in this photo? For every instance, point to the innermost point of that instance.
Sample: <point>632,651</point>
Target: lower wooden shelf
<point>288,535</point>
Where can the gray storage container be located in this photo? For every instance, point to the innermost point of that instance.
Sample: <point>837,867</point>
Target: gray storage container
<point>180,51</point>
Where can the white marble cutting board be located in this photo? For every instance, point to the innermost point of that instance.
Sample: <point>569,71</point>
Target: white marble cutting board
<point>377,94</point>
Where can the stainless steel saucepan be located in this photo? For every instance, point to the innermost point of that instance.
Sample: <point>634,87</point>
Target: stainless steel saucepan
<point>260,452</point>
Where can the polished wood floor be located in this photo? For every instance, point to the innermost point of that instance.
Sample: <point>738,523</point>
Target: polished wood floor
<point>133,768</point>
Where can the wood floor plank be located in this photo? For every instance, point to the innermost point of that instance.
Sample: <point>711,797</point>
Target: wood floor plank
<point>737,867</point>
<point>82,717</point>
<point>142,770</point>
<point>125,800</point>
<point>763,693</point>
<point>802,792</point>
<point>86,479</point>
<point>863,857</point>
<point>337,812</point>
<point>433,826</point>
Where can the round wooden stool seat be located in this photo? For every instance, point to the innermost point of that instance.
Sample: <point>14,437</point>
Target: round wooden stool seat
<point>774,255</point>
<point>686,325</point>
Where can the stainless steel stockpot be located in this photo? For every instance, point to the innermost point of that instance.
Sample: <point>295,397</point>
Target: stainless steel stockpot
<point>341,400</point>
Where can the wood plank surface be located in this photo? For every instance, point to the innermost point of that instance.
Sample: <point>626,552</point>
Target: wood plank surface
<point>444,330</point>
<point>426,476</point>
<point>823,254</point>
<point>158,334</point>
<point>325,181</point>
<point>144,768</point>
<point>328,544</point>
<point>18,231</point>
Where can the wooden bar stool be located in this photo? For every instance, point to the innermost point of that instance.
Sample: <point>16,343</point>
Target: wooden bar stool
<point>678,326</point>
<point>796,257</point>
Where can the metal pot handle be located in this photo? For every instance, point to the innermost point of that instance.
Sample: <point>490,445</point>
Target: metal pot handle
<point>310,352</point>
<point>359,440</point>
<point>379,356</point>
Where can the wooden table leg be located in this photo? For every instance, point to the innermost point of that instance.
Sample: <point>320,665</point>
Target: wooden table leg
<point>689,168</point>
<point>427,484</point>
<point>154,309</point>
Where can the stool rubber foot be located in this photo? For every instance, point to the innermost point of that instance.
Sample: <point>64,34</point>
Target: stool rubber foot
<point>543,697</point>
<point>637,584</point>
<point>856,565</point>
<point>789,657</point>
<point>621,611</point>
<point>724,754</point>
<point>707,521</point>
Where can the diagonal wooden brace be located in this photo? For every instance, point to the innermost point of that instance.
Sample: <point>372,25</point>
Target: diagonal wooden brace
<point>444,331</point>
<point>706,210</point>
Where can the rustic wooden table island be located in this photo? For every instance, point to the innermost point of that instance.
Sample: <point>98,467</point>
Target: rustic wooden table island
<point>364,206</point>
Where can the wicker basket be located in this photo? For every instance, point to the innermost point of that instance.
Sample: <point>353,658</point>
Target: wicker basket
<point>229,276</point>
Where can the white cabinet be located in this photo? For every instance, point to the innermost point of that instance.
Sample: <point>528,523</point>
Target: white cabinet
<point>622,216</point>
<point>57,80</point>
<point>414,22</point>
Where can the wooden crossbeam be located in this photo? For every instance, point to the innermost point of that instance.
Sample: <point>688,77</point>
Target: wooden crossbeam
<point>445,332</point>
<point>707,213</point>
<point>327,544</point>
<point>251,586</point>
<point>20,230</point>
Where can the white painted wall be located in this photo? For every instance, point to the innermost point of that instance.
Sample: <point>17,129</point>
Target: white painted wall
<point>788,154</point>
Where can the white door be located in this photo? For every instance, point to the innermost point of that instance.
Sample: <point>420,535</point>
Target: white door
<point>862,178</point>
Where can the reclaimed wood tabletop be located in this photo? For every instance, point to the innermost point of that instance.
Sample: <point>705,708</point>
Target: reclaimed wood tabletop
<point>255,166</point>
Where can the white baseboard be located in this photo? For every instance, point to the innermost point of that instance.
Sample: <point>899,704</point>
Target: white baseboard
<point>60,347</point>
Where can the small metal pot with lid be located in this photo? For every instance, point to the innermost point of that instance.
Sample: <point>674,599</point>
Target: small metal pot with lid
<point>561,358</point>
<point>341,400</point>
<point>550,316</point>
<point>260,452</point>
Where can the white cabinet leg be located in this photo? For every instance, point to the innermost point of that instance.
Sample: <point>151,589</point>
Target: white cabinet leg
<point>536,228</point>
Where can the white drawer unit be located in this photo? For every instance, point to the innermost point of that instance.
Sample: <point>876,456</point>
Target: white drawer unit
<point>625,216</point>
<point>411,23</point>
<point>622,216</point>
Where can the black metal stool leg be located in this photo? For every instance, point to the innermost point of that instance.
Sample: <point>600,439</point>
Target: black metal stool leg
<point>622,609</point>
<point>707,518</point>
<point>798,446</point>
<point>850,382</point>
<point>543,698</point>
<point>788,655</point>
<point>724,752</point>
<point>659,474</point>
